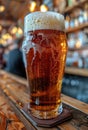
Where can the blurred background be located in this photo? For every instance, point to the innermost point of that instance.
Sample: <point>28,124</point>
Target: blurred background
<point>12,14</point>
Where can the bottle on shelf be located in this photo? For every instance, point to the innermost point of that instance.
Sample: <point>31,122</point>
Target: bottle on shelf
<point>85,12</point>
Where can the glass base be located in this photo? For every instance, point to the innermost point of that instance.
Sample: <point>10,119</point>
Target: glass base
<point>48,114</point>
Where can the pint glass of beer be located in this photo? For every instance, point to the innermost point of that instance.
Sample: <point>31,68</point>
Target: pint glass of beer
<point>45,51</point>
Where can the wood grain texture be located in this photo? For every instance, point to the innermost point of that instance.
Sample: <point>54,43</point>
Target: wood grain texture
<point>9,119</point>
<point>75,103</point>
<point>17,92</point>
<point>3,121</point>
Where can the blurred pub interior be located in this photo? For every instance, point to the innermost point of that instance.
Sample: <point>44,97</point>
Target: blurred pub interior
<point>12,12</point>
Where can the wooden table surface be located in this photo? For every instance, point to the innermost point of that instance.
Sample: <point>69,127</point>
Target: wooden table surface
<point>13,96</point>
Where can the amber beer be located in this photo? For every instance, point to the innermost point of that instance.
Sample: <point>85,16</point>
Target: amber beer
<point>45,50</point>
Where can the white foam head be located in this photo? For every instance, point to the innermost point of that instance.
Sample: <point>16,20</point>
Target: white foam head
<point>44,20</point>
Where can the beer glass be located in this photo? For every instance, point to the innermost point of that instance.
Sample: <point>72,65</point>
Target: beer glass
<point>45,50</point>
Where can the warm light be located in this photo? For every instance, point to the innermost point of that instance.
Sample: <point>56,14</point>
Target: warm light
<point>20,31</point>
<point>78,44</point>
<point>14,30</point>
<point>6,36</point>
<point>32,6</point>
<point>0,27</point>
<point>43,8</point>
<point>2,8</point>
<point>2,41</point>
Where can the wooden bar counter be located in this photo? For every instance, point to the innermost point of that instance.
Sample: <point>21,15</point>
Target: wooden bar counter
<point>14,95</point>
